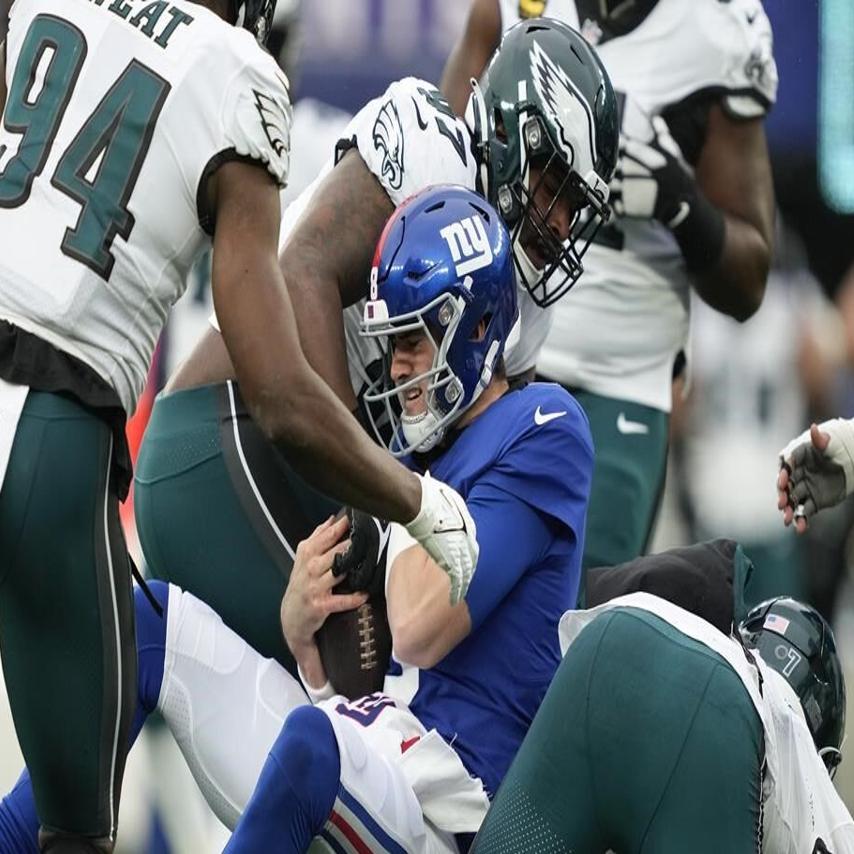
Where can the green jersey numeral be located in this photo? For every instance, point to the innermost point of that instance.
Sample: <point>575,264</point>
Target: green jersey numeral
<point>100,167</point>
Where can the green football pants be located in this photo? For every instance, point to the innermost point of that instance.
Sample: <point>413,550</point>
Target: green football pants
<point>66,614</point>
<point>630,443</point>
<point>220,513</point>
<point>647,742</point>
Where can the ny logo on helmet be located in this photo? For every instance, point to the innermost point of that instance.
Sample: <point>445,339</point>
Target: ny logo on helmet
<point>469,244</point>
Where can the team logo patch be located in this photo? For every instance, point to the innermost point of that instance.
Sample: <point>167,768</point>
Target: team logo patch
<point>469,244</point>
<point>565,105</point>
<point>274,122</point>
<point>388,139</point>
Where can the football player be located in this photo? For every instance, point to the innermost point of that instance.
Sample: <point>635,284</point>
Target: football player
<point>687,739</point>
<point>816,471</point>
<point>694,203</point>
<point>412,766</point>
<point>218,510</point>
<point>129,131</point>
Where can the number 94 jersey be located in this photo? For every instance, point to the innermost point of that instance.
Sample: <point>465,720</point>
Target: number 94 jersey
<point>117,112</point>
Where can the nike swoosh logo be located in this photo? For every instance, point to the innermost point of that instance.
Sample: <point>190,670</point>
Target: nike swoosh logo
<point>680,216</point>
<point>421,123</point>
<point>541,417</point>
<point>628,428</point>
<point>385,533</point>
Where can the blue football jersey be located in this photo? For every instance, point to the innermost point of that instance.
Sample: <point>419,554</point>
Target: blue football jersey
<point>524,467</point>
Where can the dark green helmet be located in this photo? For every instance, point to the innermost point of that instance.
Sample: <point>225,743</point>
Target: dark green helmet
<point>255,16</point>
<point>796,641</point>
<point>546,100</point>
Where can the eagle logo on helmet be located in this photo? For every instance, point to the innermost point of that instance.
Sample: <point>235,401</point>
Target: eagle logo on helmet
<point>388,138</point>
<point>563,102</point>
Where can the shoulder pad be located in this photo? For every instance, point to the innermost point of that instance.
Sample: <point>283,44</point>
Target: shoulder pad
<point>257,115</point>
<point>740,33</point>
<point>410,139</point>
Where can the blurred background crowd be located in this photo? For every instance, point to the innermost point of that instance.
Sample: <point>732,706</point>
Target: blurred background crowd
<point>749,389</point>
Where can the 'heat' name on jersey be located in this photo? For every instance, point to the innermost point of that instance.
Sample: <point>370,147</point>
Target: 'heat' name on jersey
<point>157,20</point>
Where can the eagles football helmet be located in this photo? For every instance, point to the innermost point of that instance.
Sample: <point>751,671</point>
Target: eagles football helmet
<point>255,16</point>
<point>443,265</point>
<point>546,101</point>
<point>796,641</point>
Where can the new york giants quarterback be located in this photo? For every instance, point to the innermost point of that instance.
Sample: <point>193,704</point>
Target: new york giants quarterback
<point>444,298</point>
<point>539,160</point>
<point>406,769</point>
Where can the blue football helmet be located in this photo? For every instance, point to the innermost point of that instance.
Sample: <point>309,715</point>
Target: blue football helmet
<point>443,266</point>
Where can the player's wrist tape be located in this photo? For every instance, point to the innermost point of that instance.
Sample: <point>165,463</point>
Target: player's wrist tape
<point>316,694</point>
<point>700,235</point>
<point>841,447</point>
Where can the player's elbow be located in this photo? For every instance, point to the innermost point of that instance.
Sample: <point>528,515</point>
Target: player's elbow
<point>749,274</point>
<point>417,652</point>
<point>415,642</point>
<point>422,642</point>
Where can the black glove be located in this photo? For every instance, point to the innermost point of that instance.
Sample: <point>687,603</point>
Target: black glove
<point>362,563</point>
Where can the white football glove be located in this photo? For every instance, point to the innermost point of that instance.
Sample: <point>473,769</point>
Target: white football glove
<point>652,180</point>
<point>819,479</point>
<point>445,528</point>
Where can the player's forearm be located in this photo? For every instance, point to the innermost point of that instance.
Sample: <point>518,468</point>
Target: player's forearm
<point>317,309</point>
<point>294,407</point>
<point>326,445</point>
<point>458,72</point>
<point>735,285</point>
<point>310,664</point>
<point>425,627</point>
<point>471,53</point>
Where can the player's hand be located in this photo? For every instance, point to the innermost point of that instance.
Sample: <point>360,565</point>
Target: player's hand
<point>652,180</point>
<point>816,471</point>
<point>310,598</point>
<point>446,530</point>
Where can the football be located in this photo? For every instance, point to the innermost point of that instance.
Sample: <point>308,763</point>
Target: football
<point>355,646</point>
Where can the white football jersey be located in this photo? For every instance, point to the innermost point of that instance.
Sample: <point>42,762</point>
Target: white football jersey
<point>410,139</point>
<point>619,330</point>
<point>116,115</point>
<point>801,810</point>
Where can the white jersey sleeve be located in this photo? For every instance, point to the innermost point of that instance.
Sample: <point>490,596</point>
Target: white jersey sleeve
<point>247,116</point>
<point>732,50</point>
<point>410,139</point>
<point>257,116</point>
<point>803,812</point>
